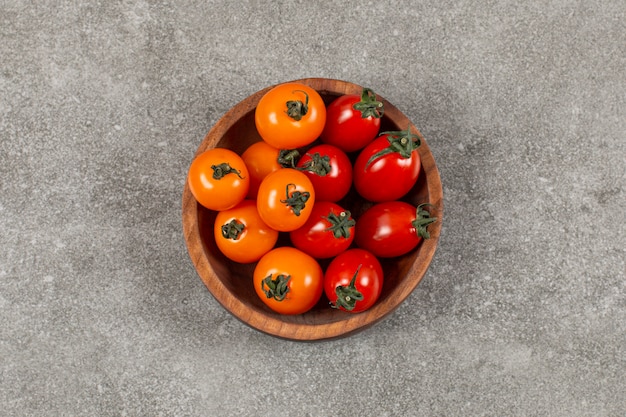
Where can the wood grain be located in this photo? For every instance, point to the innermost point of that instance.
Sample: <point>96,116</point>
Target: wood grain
<point>230,283</point>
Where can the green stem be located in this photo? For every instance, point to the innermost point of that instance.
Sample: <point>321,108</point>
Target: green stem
<point>276,288</point>
<point>232,229</point>
<point>318,164</point>
<point>369,106</point>
<point>340,225</point>
<point>296,109</point>
<point>223,169</point>
<point>288,158</point>
<point>402,142</point>
<point>296,201</point>
<point>422,220</point>
<point>347,296</point>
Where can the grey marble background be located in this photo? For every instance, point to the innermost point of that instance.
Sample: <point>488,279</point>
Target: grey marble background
<point>103,103</point>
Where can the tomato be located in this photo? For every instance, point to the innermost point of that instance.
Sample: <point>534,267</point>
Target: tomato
<point>261,159</point>
<point>285,199</point>
<point>388,167</point>
<point>392,228</point>
<point>353,280</point>
<point>352,121</point>
<point>290,115</point>
<point>328,231</point>
<point>218,179</point>
<point>241,235</point>
<point>330,171</point>
<point>288,280</point>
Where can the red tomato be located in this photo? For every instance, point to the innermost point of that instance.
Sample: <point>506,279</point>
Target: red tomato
<point>352,121</point>
<point>330,171</point>
<point>328,232</point>
<point>290,115</point>
<point>392,228</point>
<point>288,280</point>
<point>353,280</point>
<point>241,234</point>
<point>388,167</point>
<point>218,179</point>
<point>285,199</point>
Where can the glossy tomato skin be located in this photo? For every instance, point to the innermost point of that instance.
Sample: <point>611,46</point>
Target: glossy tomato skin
<point>330,171</point>
<point>218,179</point>
<point>305,283</point>
<point>278,128</point>
<point>386,229</point>
<point>285,199</point>
<point>368,281</point>
<point>261,159</point>
<point>346,128</point>
<point>388,177</point>
<point>328,231</point>
<point>241,235</point>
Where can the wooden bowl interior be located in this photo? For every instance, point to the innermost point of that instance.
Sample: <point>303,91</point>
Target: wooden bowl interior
<point>230,282</point>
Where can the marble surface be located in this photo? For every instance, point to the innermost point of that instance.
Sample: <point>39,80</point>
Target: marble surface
<point>522,312</point>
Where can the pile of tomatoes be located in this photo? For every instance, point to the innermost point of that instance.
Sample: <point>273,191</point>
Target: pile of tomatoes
<point>295,182</point>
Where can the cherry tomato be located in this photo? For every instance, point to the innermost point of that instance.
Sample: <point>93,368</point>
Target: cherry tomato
<point>290,115</point>
<point>330,171</point>
<point>261,159</point>
<point>353,280</point>
<point>288,280</point>
<point>218,179</point>
<point>388,167</point>
<point>352,121</point>
<point>241,235</point>
<point>328,232</point>
<point>285,199</point>
<point>392,228</point>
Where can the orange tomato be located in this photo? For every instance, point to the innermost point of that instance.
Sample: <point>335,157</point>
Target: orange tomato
<point>218,179</point>
<point>288,280</point>
<point>241,234</point>
<point>290,116</point>
<point>261,159</point>
<point>285,199</point>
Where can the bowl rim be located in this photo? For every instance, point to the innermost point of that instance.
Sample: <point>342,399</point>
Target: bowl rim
<point>306,331</point>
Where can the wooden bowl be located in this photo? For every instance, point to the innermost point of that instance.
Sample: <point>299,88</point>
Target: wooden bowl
<point>231,283</point>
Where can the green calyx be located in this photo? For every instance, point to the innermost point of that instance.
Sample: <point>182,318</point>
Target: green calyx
<point>223,169</point>
<point>296,201</point>
<point>402,142</point>
<point>422,220</point>
<point>232,229</point>
<point>347,296</point>
<point>340,224</point>
<point>296,109</point>
<point>369,106</point>
<point>288,158</point>
<point>276,288</point>
<point>318,164</point>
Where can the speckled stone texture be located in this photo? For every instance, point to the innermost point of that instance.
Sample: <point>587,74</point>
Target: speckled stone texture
<point>103,104</point>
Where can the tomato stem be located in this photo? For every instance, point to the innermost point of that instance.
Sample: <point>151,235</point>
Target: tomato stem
<point>369,106</point>
<point>296,109</point>
<point>318,164</point>
<point>232,229</point>
<point>223,169</point>
<point>297,200</point>
<point>347,296</point>
<point>340,225</point>
<point>422,220</point>
<point>288,158</point>
<point>276,288</point>
<point>403,142</point>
